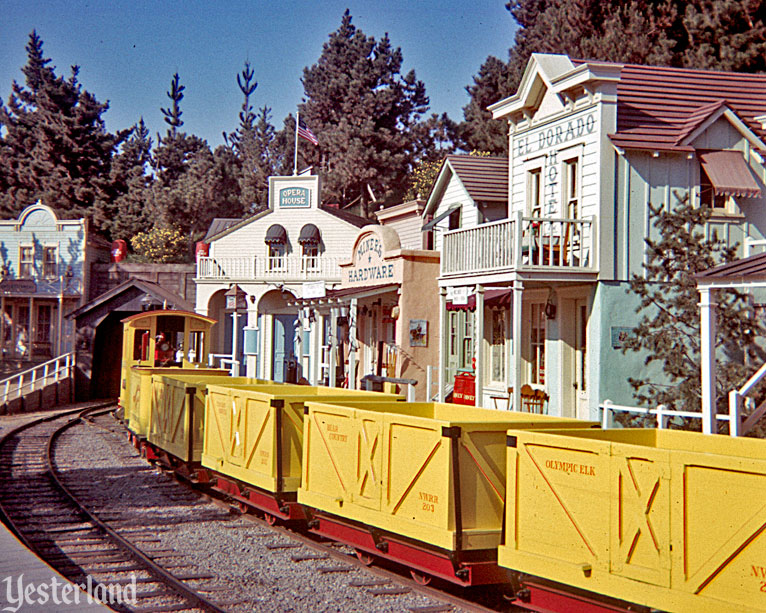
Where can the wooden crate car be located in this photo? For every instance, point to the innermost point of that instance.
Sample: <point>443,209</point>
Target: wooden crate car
<point>426,472</point>
<point>670,520</point>
<point>178,402</point>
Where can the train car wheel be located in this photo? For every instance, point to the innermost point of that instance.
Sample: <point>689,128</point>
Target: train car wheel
<point>244,508</point>
<point>270,519</point>
<point>420,578</point>
<point>365,558</point>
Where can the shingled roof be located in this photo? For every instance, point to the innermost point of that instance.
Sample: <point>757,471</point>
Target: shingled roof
<point>749,268</point>
<point>659,108</point>
<point>484,178</point>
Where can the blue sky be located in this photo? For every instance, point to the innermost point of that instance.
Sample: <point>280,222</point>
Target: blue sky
<point>129,50</point>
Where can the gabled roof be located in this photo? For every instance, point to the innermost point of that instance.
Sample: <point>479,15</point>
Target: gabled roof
<point>485,179</point>
<point>659,108</point>
<point>351,218</point>
<point>751,268</point>
<point>218,225</point>
<point>146,287</point>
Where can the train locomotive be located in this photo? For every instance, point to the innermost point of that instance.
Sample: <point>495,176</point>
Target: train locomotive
<point>569,517</point>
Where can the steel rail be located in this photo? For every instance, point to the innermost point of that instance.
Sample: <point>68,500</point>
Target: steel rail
<point>152,567</point>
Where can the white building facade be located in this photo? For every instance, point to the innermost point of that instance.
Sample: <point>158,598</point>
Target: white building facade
<point>591,146</point>
<point>291,250</point>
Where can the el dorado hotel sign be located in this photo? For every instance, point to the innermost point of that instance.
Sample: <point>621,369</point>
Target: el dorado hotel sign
<point>368,266</point>
<point>294,198</point>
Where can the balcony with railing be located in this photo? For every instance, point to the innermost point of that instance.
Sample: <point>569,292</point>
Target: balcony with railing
<point>266,268</point>
<point>521,243</point>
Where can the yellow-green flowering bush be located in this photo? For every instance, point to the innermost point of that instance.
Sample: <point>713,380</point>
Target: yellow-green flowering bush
<point>160,245</point>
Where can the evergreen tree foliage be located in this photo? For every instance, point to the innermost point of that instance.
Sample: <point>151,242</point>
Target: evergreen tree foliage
<point>668,332</point>
<point>364,112</point>
<point>127,214</point>
<point>479,130</point>
<point>251,144</point>
<point>173,112</point>
<point>54,145</point>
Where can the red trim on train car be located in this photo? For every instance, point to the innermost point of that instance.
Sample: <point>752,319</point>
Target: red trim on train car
<point>550,599</point>
<point>474,572</point>
<point>263,501</point>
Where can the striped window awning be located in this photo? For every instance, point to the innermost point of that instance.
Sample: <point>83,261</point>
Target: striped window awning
<point>729,174</point>
<point>276,234</point>
<point>309,235</point>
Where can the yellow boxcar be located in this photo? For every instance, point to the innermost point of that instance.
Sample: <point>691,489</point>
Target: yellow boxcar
<point>393,467</point>
<point>177,399</point>
<point>242,425</point>
<point>666,519</point>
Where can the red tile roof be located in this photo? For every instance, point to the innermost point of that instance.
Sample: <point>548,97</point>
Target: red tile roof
<point>658,107</point>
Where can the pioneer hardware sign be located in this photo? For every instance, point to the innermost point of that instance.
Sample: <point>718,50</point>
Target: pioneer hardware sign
<point>369,267</point>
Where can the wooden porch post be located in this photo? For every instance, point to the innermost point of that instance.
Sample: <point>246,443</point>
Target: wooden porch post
<point>353,313</point>
<point>518,290</point>
<point>444,342</point>
<point>332,358</point>
<point>479,344</point>
<point>707,361</point>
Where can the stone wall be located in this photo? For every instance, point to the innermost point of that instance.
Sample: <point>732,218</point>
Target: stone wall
<point>176,278</point>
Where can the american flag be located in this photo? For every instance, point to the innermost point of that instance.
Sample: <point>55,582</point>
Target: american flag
<point>305,132</point>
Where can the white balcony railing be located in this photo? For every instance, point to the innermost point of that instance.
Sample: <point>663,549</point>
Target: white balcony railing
<point>520,242</point>
<point>287,267</point>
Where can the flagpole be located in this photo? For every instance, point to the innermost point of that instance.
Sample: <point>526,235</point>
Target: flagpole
<point>295,162</point>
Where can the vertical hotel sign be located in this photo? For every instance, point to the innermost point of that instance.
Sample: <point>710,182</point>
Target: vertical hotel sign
<point>368,266</point>
<point>294,198</point>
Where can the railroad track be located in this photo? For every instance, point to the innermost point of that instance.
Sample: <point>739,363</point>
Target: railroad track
<point>248,552</point>
<point>51,518</point>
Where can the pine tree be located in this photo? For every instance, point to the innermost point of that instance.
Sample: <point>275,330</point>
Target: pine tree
<point>668,332</point>
<point>183,193</point>
<point>54,144</point>
<point>251,144</point>
<point>363,111</point>
<point>128,213</point>
<point>479,130</point>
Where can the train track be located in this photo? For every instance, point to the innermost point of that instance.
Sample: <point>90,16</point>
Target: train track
<point>53,520</point>
<point>68,540</point>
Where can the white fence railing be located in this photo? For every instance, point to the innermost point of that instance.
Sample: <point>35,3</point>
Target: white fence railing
<point>37,377</point>
<point>520,242</point>
<point>661,414</point>
<point>738,398</point>
<point>753,246</point>
<point>224,360</point>
<point>286,267</point>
